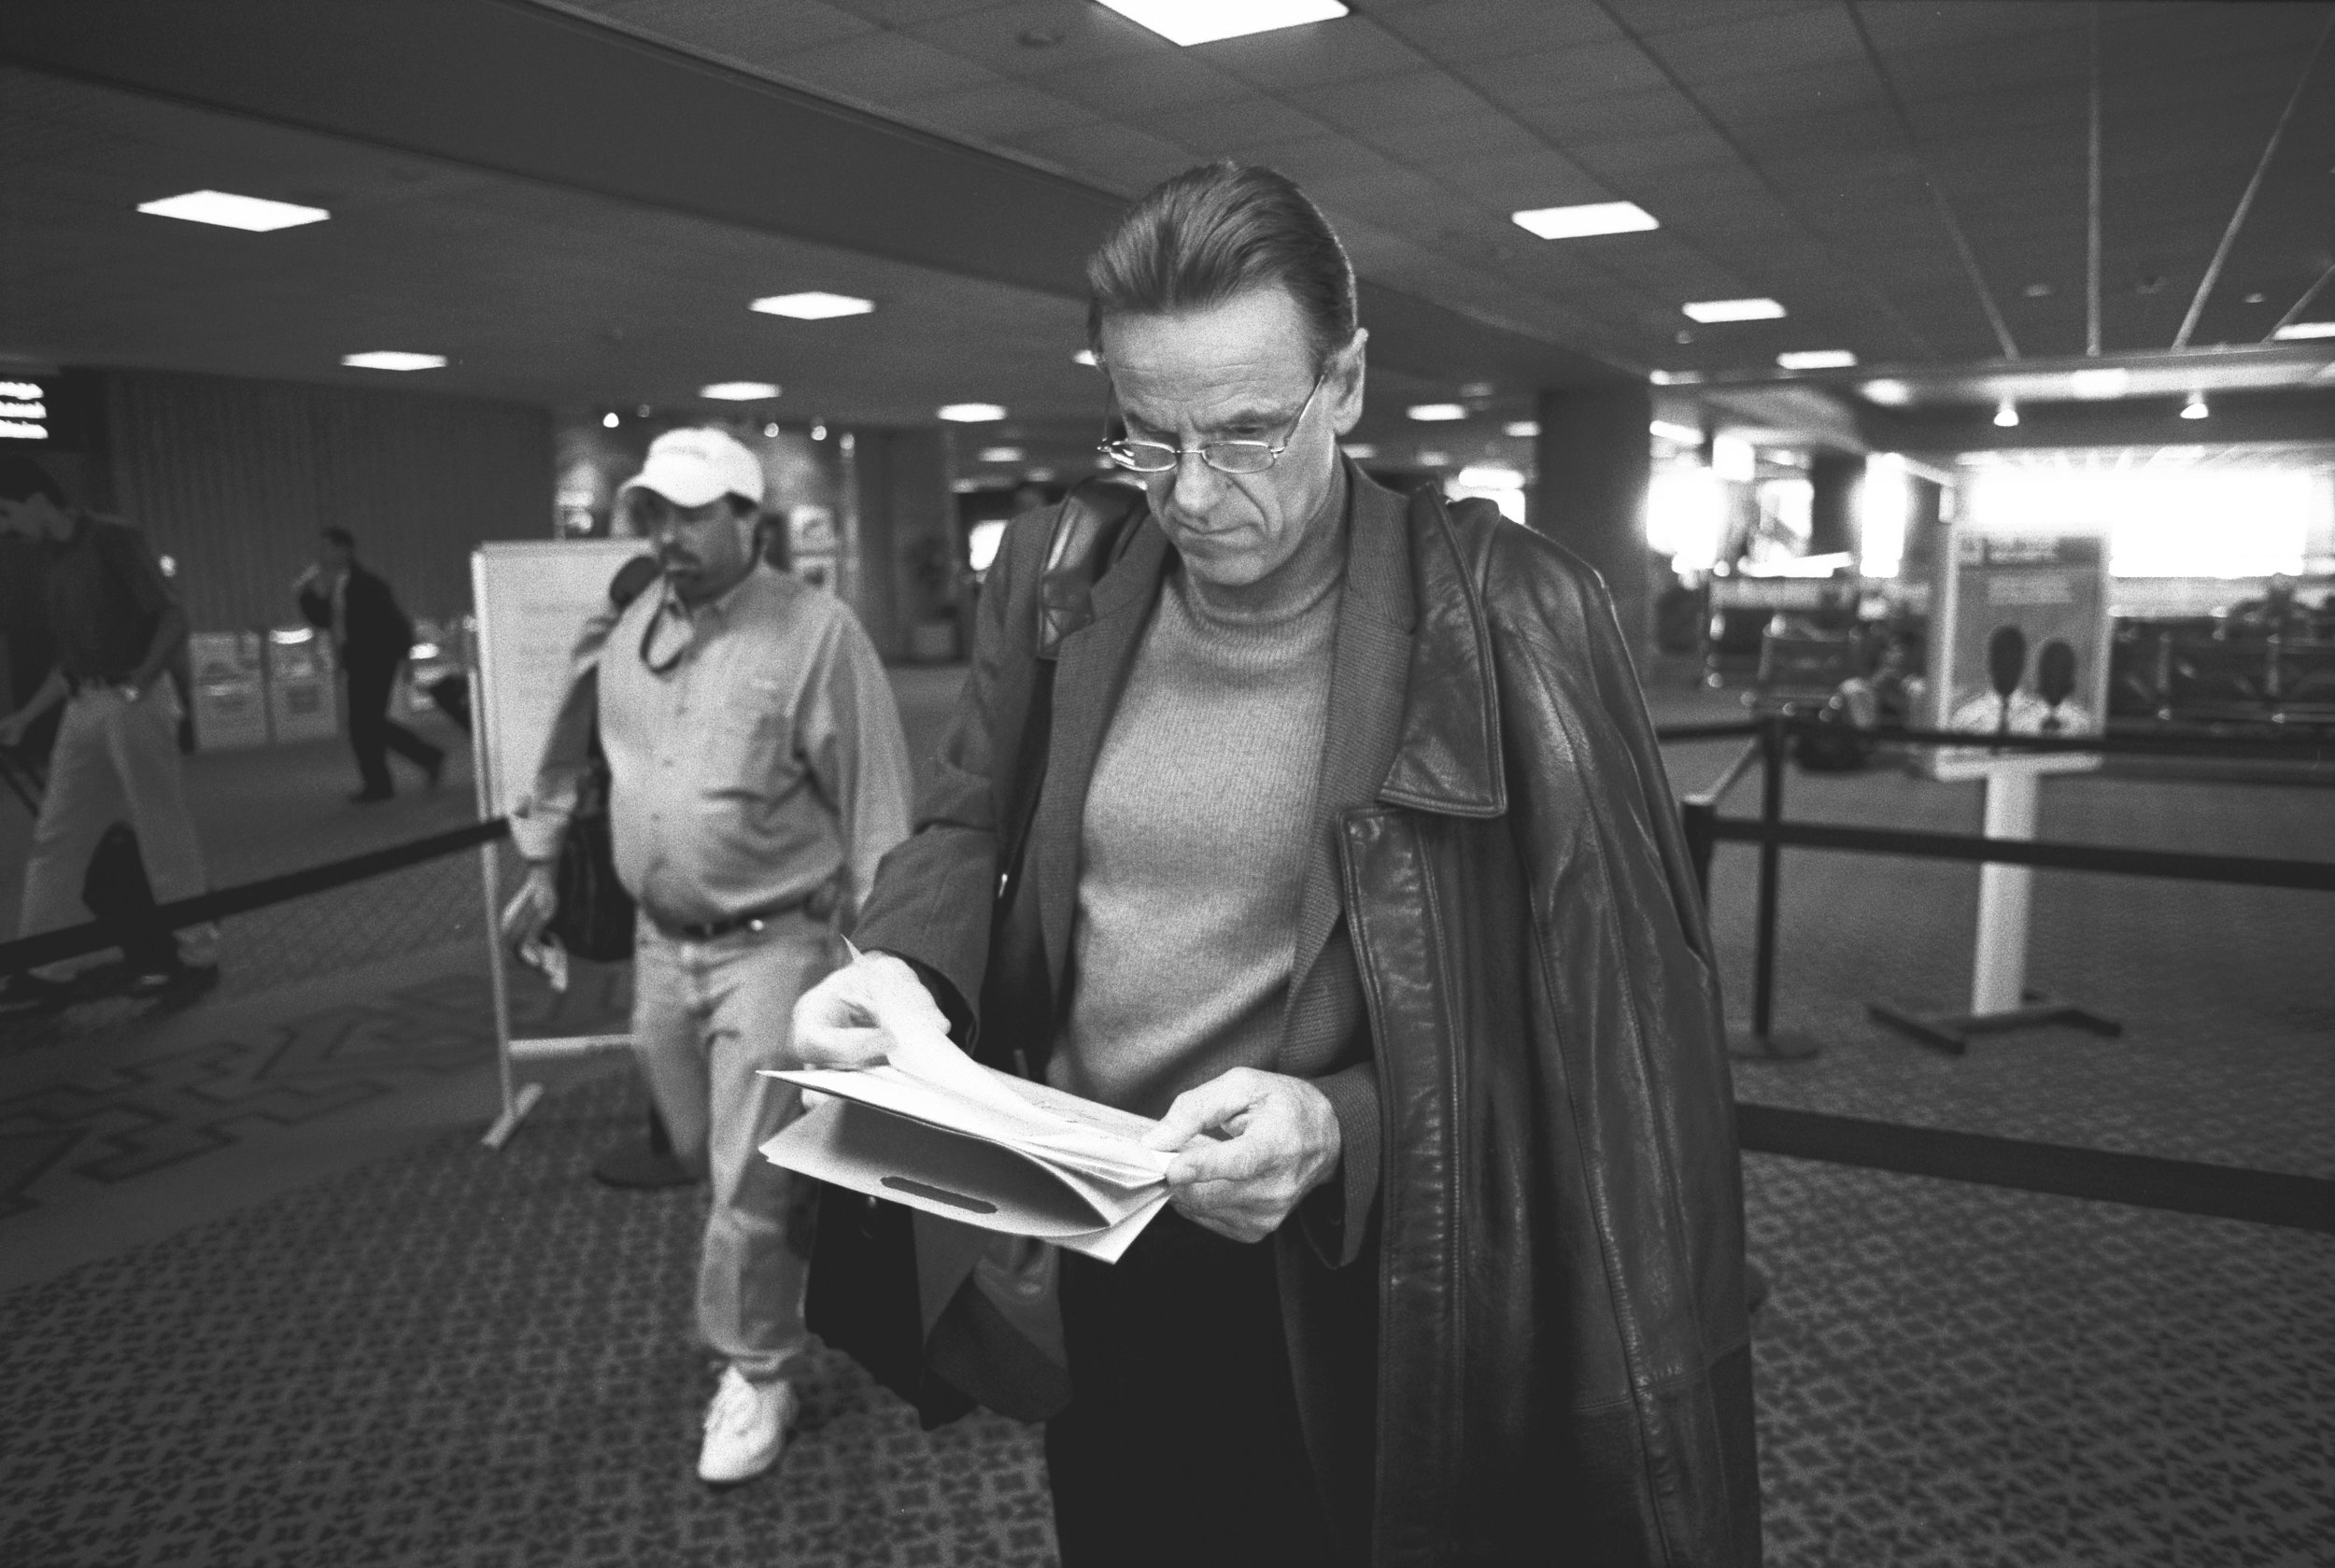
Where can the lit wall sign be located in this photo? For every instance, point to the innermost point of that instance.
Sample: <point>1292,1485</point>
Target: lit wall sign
<point>23,411</point>
<point>49,409</point>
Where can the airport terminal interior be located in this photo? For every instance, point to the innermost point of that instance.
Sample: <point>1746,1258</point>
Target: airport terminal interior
<point>1944,390</point>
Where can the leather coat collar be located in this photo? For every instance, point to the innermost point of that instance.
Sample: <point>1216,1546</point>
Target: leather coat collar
<point>1415,676</point>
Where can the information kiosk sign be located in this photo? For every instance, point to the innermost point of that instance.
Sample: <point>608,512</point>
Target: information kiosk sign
<point>531,599</point>
<point>2019,647</point>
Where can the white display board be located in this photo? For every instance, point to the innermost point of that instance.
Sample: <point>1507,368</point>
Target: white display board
<point>2018,646</point>
<point>531,599</point>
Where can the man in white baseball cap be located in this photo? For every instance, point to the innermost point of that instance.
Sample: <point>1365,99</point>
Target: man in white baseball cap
<point>758,773</point>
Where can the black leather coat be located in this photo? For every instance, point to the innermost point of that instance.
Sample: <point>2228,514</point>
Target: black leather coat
<point>1526,1341</point>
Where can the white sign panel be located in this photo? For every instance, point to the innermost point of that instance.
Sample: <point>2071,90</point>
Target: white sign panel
<point>532,600</point>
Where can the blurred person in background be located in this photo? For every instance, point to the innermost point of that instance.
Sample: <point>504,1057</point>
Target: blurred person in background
<point>115,629</point>
<point>371,639</point>
<point>1354,863</point>
<point>757,773</point>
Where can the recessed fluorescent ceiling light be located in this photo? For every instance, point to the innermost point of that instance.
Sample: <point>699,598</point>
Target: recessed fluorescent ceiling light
<point>740,391</point>
<point>1361,451</point>
<point>1432,411</point>
<point>1521,427</point>
<point>2100,382</point>
<point>1734,310</point>
<point>1001,454</point>
<point>229,211</point>
<point>1685,435</point>
<point>1204,22</point>
<point>972,413</point>
<point>1817,358</point>
<point>391,358</point>
<point>1891,393</point>
<point>2295,331</point>
<point>1588,218</point>
<point>813,305</point>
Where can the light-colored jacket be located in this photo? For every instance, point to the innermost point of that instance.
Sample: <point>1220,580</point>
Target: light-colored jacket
<point>766,764</point>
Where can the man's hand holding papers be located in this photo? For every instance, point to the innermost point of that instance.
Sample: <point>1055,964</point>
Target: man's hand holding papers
<point>926,1125</point>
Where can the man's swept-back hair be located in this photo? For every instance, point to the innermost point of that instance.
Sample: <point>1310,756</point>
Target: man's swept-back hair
<point>1214,232</point>
<point>341,537</point>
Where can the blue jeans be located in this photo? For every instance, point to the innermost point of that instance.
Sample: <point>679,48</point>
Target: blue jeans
<point>705,1016</point>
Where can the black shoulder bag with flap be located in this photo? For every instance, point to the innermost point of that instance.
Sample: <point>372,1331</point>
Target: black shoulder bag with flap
<point>865,1297</point>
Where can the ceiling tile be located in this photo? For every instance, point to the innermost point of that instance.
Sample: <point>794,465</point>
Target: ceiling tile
<point>1611,117</point>
<point>1458,139</point>
<point>1524,82</point>
<point>887,68</point>
<point>1065,33</point>
<point>1449,33</point>
<point>1321,158</point>
<point>1233,128</point>
<point>1173,80</point>
<point>1116,157</point>
<point>1534,178</point>
<point>1659,17</point>
<point>749,32</point>
<point>1414,97</point>
<point>1738,45</point>
<point>1348,49</point>
<point>1000,111</point>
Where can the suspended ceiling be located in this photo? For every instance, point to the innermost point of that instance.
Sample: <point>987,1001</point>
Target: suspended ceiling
<point>1909,179</point>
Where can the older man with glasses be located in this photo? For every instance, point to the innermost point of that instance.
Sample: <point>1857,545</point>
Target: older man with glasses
<point>757,773</point>
<point>1350,858</point>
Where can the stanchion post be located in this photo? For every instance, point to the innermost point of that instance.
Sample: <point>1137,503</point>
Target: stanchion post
<point>1771,869</point>
<point>1698,818</point>
<point>1764,1044</point>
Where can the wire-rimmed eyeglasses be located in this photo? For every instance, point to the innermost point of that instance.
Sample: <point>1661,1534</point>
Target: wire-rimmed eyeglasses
<point>1225,457</point>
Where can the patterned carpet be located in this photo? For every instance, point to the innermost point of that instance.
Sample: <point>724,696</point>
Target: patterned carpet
<point>452,1356</point>
<point>456,1357</point>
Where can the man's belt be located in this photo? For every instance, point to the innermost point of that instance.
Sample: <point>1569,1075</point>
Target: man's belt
<point>817,906</point>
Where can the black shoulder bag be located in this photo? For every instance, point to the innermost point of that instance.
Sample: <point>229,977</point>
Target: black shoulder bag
<point>864,1296</point>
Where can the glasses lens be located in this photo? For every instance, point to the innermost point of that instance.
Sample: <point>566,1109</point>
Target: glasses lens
<point>1238,457</point>
<point>1143,457</point>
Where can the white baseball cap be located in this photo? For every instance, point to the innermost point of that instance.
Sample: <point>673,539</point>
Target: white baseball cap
<point>690,468</point>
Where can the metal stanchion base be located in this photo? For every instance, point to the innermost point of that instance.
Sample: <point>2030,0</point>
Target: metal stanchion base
<point>1951,1032</point>
<point>1776,1045</point>
<point>640,1165</point>
<point>508,1122</point>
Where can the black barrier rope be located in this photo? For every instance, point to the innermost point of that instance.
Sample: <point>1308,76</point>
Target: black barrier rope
<point>2154,742</point>
<point>96,936</point>
<point>2171,864</point>
<point>2264,1197</point>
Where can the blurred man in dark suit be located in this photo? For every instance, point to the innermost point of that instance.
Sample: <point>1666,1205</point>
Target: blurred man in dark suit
<point>370,638</point>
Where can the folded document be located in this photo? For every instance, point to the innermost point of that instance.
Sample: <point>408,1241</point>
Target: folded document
<point>934,1130</point>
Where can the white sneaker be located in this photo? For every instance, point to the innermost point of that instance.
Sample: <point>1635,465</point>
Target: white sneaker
<point>745,1428</point>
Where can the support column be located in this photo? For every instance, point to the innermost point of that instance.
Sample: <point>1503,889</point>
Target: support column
<point>904,539</point>
<point>1834,478</point>
<point>1592,463</point>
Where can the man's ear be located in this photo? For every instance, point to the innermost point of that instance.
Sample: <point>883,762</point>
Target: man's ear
<point>1348,379</point>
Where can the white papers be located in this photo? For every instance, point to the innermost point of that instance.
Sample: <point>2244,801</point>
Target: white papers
<point>934,1130</point>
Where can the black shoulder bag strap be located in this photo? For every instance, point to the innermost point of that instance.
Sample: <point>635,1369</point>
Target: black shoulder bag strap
<point>1092,530</point>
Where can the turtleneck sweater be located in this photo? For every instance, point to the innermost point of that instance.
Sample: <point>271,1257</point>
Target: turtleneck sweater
<point>1193,844</point>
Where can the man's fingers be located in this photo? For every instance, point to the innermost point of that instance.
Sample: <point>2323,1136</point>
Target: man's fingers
<point>1239,1159</point>
<point>1198,1110</point>
<point>832,1045</point>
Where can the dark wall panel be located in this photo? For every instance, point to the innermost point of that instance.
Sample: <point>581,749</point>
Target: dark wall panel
<point>233,478</point>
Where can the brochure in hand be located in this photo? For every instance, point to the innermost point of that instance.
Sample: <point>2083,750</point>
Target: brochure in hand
<point>934,1130</point>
